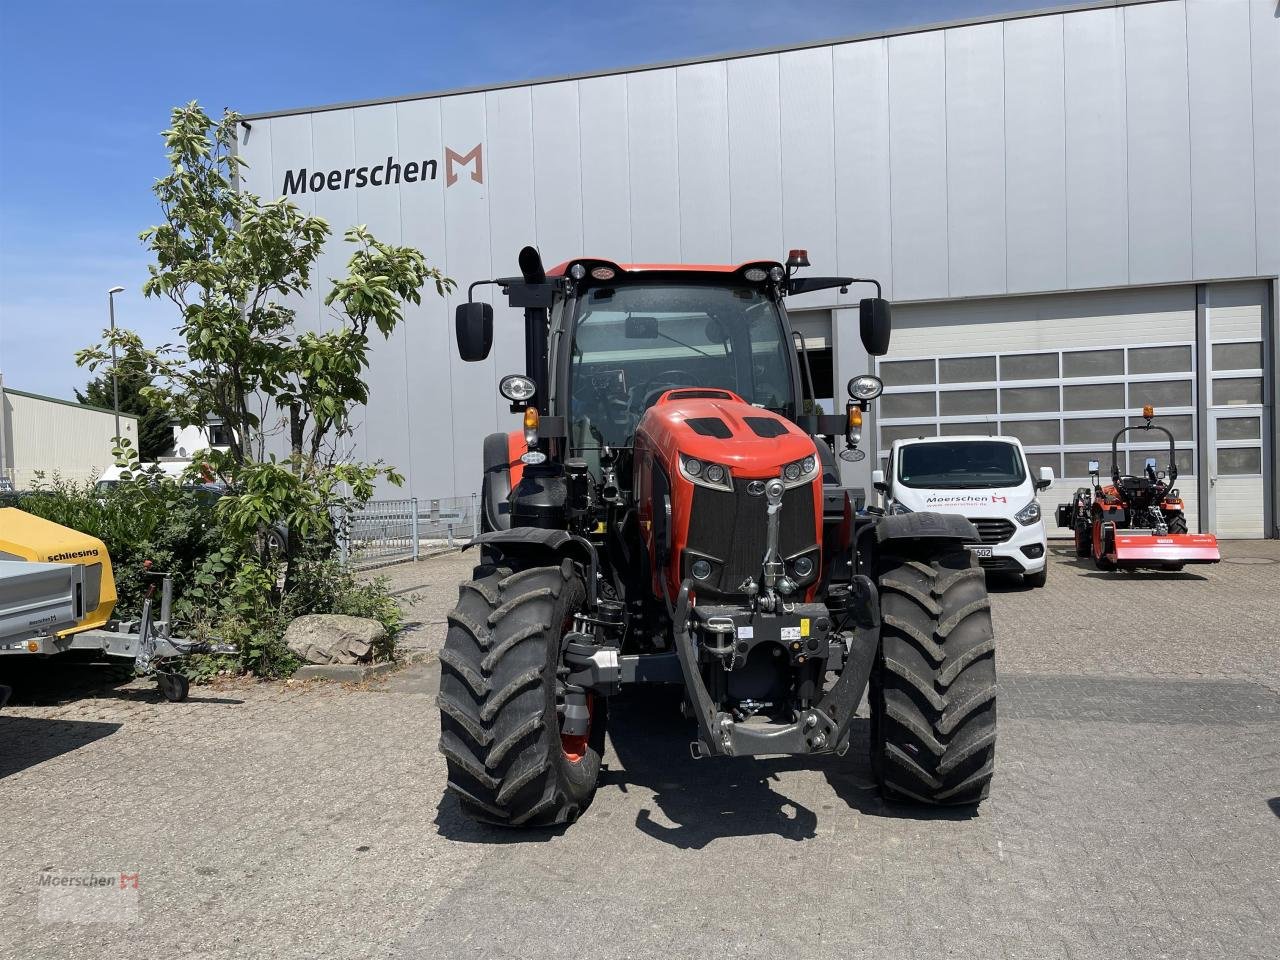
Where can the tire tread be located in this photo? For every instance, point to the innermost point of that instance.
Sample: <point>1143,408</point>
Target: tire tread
<point>935,687</point>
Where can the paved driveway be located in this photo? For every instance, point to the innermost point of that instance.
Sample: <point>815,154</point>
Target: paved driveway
<point>1135,811</point>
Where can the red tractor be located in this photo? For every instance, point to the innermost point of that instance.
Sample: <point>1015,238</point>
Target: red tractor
<point>669,514</point>
<point>1136,521</point>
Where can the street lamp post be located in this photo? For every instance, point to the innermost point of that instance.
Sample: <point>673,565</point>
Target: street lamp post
<point>115,386</point>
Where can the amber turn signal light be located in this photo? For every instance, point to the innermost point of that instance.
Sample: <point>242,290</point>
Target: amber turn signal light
<point>531,425</point>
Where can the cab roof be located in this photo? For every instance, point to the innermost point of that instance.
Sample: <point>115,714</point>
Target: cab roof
<point>560,269</point>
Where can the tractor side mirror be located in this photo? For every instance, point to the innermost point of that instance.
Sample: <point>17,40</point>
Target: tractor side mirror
<point>877,481</point>
<point>876,324</point>
<point>1046,478</point>
<point>641,328</point>
<point>474,322</point>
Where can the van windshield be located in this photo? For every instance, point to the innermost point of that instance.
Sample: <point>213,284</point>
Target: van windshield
<point>961,465</point>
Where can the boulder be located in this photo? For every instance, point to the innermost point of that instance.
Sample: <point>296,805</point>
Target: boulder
<point>333,638</point>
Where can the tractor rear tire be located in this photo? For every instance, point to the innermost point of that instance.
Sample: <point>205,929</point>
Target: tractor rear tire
<point>1082,541</point>
<point>1178,522</point>
<point>933,689</point>
<point>499,722</point>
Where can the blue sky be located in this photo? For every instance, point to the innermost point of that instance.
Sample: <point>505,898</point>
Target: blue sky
<point>85,88</point>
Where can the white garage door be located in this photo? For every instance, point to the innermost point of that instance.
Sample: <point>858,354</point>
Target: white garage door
<point>1062,373</point>
<point>1236,415</point>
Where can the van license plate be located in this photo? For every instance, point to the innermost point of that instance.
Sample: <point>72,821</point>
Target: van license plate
<point>979,551</point>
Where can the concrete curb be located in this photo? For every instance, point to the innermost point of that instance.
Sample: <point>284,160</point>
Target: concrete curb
<point>344,672</point>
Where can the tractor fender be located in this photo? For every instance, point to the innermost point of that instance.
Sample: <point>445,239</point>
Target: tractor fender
<point>925,526</point>
<point>502,471</point>
<point>536,546</point>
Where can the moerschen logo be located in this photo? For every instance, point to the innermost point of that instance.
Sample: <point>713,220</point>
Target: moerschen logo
<point>390,173</point>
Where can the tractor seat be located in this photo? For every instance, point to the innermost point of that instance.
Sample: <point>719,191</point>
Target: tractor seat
<point>1135,484</point>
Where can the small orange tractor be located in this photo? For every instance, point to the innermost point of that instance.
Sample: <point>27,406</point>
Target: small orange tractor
<point>1136,521</point>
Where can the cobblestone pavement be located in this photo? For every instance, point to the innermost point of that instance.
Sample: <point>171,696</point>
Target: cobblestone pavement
<point>1135,813</point>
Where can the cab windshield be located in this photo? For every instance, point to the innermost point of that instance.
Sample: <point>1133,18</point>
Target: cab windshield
<point>960,465</point>
<point>633,342</point>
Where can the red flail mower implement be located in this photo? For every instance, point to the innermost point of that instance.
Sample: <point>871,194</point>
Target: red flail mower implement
<point>1136,522</point>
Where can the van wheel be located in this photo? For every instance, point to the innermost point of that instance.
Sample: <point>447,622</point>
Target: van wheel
<point>1037,579</point>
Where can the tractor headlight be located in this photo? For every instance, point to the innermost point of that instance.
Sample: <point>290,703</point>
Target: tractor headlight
<point>1028,514</point>
<point>705,474</point>
<point>516,388</point>
<point>865,387</point>
<point>802,567</point>
<point>798,472</point>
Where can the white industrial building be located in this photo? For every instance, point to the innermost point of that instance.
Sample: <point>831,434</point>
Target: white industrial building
<point>51,437</point>
<point>1075,212</point>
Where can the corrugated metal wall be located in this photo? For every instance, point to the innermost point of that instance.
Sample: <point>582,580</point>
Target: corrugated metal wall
<point>1099,148</point>
<point>42,435</point>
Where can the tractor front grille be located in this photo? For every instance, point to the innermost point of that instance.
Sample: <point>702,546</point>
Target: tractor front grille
<point>729,527</point>
<point>993,531</point>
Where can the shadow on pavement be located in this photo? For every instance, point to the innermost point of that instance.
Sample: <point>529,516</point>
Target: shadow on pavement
<point>26,741</point>
<point>1183,576</point>
<point>733,796</point>
<point>72,676</point>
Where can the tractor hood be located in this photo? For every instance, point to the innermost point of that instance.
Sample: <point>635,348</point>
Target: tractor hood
<point>718,426</point>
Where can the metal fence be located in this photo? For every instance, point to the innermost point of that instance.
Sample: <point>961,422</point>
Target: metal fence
<point>394,531</point>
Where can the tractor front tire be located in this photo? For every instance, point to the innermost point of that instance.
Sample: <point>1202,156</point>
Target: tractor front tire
<point>933,691</point>
<point>499,717</point>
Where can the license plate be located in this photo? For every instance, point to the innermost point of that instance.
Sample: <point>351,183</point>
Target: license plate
<point>979,551</point>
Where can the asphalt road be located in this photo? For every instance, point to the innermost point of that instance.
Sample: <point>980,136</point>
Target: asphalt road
<point>1135,812</point>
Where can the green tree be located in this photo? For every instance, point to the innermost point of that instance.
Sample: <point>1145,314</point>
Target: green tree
<point>155,430</point>
<point>233,265</point>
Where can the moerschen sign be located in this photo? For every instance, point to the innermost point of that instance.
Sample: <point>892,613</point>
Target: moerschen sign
<point>392,172</point>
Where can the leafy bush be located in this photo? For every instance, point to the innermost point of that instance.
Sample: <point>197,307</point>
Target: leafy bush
<point>222,589</point>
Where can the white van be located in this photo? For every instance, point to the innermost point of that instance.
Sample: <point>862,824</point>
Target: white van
<point>167,469</point>
<point>987,480</point>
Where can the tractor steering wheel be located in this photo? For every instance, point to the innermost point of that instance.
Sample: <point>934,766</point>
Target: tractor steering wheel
<point>669,380</point>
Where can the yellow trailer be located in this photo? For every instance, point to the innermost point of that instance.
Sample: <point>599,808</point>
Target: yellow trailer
<point>28,541</point>
<point>31,538</point>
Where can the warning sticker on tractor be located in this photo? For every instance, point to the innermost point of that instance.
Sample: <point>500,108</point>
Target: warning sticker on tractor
<point>746,633</point>
<point>790,633</point>
<point>804,626</point>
